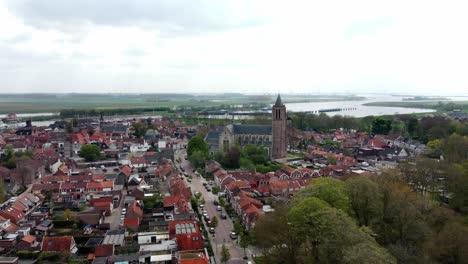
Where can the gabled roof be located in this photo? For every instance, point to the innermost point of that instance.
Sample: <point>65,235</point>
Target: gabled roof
<point>238,184</point>
<point>251,129</point>
<point>127,170</point>
<point>100,185</point>
<point>63,243</point>
<point>135,208</point>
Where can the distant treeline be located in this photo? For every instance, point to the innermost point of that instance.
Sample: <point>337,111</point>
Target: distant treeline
<point>440,106</point>
<point>73,113</point>
<point>420,128</point>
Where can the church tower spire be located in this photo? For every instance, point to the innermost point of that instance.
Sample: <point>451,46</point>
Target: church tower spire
<point>278,127</point>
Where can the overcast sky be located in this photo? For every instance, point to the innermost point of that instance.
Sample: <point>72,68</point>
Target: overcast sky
<point>251,46</point>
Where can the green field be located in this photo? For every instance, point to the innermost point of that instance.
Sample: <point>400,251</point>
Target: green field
<point>441,106</point>
<point>38,103</point>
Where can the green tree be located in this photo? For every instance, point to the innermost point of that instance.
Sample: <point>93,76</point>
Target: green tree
<point>457,184</point>
<point>244,241</point>
<point>67,214</point>
<point>455,148</point>
<point>451,244</point>
<point>381,126</point>
<point>154,201</point>
<point>413,124</point>
<point>225,254</point>
<point>246,163</point>
<point>197,143</point>
<point>330,190</point>
<point>90,152</point>
<point>403,229</point>
<point>198,159</point>
<point>367,252</point>
<point>232,157</point>
<point>238,227</point>
<point>10,157</point>
<point>215,190</point>
<point>276,238</point>
<point>140,129</point>
<point>366,199</point>
<point>2,191</point>
<point>214,222</point>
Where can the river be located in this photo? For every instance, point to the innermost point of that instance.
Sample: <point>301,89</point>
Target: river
<point>358,109</point>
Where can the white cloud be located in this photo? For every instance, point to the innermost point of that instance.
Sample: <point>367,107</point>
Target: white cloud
<point>246,46</point>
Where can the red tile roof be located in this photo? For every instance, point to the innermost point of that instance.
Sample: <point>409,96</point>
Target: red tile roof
<point>11,228</point>
<point>127,170</point>
<point>131,221</point>
<point>100,200</point>
<point>135,209</point>
<point>169,201</point>
<point>64,243</point>
<point>239,184</point>
<point>191,241</point>
<point>29,239</point>
<point>13,214</point>
<point>193,258</point>
<point>104,250</point>
<point>100,185</point>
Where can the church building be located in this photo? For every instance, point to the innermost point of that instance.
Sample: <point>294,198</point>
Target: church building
<point>273,137</point>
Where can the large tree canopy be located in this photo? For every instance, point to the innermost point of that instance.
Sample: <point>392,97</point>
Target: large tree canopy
<point>330,190</point>
<point>197,143</point>
<point>90,152</point>
<point>366,199</point>
<point>381,126</point>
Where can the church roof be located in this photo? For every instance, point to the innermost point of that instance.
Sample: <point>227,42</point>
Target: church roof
<point>278,101</point>
<point>212,136</point>
<point>252,129</point>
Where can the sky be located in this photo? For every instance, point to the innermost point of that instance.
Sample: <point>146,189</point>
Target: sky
<point>247,46</point>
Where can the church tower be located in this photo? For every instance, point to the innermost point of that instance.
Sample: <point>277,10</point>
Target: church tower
<point>278,126</point>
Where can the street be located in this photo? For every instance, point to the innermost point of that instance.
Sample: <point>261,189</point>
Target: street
<point>224,227</point>
<point>114,218</point>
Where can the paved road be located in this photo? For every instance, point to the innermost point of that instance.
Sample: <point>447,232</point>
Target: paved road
<point>114,218</point>
<point>224,227</point>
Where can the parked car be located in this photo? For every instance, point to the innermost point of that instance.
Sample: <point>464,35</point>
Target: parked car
<point>223,216</point>
<point>215,202</point>
<point>202,206</point>
<point>219,208</point>
<point>212,230</point>
<point>208,189</point>
<point>233,235</point>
